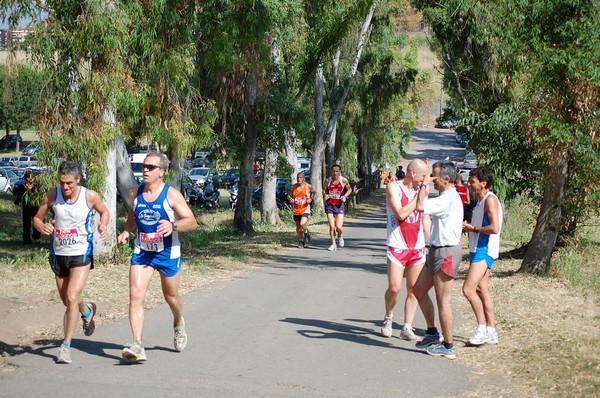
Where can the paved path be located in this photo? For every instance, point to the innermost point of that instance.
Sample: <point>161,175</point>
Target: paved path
<point>301,325</point>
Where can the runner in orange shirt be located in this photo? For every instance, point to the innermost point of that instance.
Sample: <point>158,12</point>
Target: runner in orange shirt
<point>301,197</point>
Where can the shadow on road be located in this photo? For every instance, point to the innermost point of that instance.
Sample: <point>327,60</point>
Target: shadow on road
<point>345,332</point>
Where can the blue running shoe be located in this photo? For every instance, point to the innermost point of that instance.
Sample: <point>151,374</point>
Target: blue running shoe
<point>441,351</point>
<point>429,339</point>
<point>88,323</point>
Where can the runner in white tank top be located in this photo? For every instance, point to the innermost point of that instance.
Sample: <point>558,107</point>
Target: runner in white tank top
<point>71,252</point>
<point>484,247</point>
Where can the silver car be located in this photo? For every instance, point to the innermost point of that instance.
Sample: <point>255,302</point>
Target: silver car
<point>199,175</point>
<point>7,180</point>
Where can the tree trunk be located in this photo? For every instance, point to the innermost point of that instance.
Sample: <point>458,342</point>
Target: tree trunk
<point>107,248</point>
<point>540,248</point>
<point>331,158</point>
<point>268,210</point>
<point>322,134</point>
<point>360,152</point>
<point>242,219</point>
<point>333,90</point>
<point>290,152</point>
<point>316,161</point>
<point>125,179</point>
<point>18,145</point>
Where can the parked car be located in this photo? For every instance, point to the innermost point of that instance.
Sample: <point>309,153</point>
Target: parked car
<point>7,180</point>
<point>26,161</point>
<point>469,162</point>
<point>12,141</point>
<point>444,124</point>
<point>229,177</point>
<point>200,174</point>
<point>19,171</point>
<point>7,163</point>
<point>32,149</point>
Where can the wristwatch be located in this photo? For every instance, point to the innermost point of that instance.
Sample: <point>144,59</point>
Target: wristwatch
<point>174,223</point>
<point>474,229</point>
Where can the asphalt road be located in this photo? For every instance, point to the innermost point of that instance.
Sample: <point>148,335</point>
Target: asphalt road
<point>303,324</point>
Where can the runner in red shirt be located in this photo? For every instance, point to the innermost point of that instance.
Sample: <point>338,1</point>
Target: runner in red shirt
<point>336,190</point>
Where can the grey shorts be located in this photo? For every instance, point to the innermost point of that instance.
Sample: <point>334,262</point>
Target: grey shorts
<point>445,258</point>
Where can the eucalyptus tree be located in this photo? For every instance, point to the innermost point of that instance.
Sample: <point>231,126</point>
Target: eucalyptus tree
<point>114,67</point>
<point>330,21</point>
<point>20,97</point>
<point>233,59</point>
<point>382,105</point>
<point>241,64</point>
<point>528,72</point>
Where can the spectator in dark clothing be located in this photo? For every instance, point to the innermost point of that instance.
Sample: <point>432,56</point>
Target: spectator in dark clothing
<point>400,173</point>
<point>23,186</point>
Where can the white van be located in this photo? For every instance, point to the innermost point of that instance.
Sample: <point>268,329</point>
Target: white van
<point>137,162</point>
<point>303,163</point>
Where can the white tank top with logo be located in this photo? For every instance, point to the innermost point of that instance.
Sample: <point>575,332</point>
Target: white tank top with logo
<point>73,225</point>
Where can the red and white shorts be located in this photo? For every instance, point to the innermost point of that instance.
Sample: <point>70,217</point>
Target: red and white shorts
<point>406,257</point>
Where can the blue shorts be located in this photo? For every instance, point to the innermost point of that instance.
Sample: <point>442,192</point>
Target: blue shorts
<point>167,267</point>
<point>335,210</point>
<point>478,257</point>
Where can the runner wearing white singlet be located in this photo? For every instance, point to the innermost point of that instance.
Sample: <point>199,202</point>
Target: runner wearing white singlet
<point>71,252</point>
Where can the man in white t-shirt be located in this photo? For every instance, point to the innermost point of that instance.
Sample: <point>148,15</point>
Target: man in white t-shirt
<point>443,258</point>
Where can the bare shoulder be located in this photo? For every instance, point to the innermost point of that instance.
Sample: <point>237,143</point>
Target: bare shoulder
<point>175,196</point>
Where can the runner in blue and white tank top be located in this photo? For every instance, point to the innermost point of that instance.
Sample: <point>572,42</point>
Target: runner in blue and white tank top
<point>151,247</point>
<point>159,212</point>
<point>484,247</point>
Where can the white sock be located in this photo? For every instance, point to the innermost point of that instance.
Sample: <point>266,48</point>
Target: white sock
<point>491,330</point>
<point>407,326</point>
<point>481,328</point>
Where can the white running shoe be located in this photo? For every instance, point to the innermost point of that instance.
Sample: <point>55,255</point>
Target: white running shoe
<point>341,242</point>
<point>479,338</point>
<point>64,354</point>
<point>332,248</point>
<point>386,329</point>
<point>408,334</point>
<point>492,338</point>
<point>180,339</point>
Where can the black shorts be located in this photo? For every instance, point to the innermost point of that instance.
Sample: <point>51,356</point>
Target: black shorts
<point>62,264</point>
<point>298,218</point>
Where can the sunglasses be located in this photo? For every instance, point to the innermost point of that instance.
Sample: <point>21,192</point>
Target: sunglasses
<point>150,167</point>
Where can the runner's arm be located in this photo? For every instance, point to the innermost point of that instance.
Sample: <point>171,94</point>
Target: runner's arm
<point>185,220</point>
<point>97,204</point>
<point>348,189</point>
<point>130,223</point>
<point>326,190</point>
<point>393,198</point>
